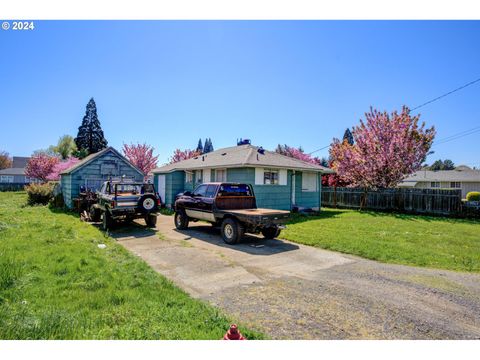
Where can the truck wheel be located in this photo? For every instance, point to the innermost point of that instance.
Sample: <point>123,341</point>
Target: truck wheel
<point>147,204</point>
<point>232,231</point>
<point>271,232</point>
<point>181,220</point>
<point>151,220</point>
<point>95,213</point>
<point>107,220</point>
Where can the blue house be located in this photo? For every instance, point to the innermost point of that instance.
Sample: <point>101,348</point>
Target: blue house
<point>279,182</point>
<point>93,170</point>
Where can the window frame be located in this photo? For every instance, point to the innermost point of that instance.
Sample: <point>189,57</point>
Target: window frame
<point>433,184</point>
<point>271,172</point>
<point>224,178</point>
<point>315,177</point>
<point>459,183</point>
<point>10,179</point>
<point>188,177</point>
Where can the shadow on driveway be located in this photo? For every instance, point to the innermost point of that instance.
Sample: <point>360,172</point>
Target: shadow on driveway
<point>250,244</point>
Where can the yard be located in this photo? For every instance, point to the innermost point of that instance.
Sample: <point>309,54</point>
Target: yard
<point>435,242</point>
<point>56,283</point>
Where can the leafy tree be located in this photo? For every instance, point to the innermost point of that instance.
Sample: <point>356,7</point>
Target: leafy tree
<point>5,160</point>
<point>40,166</point>
<point>180,155</point>
<point>387,147</point>
<point>348,137</point>
<point>80,154</point>
<point>141,155</point>
<point>90,134</point>
<point>65,147</point>
<point>442,165</point>
<point>200,146</point>
<point>207,146</point>
<point>61,167</point>
<point>50,151</point>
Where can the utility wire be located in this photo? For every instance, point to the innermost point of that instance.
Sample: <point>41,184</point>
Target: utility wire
<point>458,136</point>
<point>429,102</point>
<point>446,94</point>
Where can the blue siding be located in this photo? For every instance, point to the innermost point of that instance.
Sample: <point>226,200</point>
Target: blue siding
<point>268,196</point>
<point>72,182</point>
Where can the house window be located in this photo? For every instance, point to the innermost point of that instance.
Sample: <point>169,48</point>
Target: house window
<point>435,184</point>
<point>6,179</point>
<point>198,176</point>
<point>455,185</point>
<point>270,177</point>
<point>188,177</point>
<point>221,175</point>
<point>309,182</point>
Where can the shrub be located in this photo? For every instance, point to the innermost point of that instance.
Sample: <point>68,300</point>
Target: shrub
<point>39,193</point>
<point>473,196</point>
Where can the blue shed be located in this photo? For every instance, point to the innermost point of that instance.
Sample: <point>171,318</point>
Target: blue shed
<point>279,182</point>
<point>93,170</point>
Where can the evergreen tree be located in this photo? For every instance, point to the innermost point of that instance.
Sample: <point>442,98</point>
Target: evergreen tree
<point>200,146</point>
<point>348,136</point>
<point>207,146</point>
<point>90,136</point>
<point>210,145</point>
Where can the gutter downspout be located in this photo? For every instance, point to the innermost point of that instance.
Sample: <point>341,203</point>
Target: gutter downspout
<point>293,189</point>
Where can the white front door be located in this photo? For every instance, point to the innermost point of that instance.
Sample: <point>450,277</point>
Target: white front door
<point>161,187</point>
<point>206,175</point>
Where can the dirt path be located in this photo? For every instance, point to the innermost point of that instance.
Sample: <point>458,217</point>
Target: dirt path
<point>291,291</point>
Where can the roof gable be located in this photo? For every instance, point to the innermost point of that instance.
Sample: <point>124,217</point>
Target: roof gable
<point>242,156</point>
<point>87,160</point>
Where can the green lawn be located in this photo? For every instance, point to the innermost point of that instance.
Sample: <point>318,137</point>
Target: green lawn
<point>435,242</point>
<point>56,283</point>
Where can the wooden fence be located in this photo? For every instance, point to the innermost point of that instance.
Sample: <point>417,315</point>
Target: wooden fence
<point>422,201</point>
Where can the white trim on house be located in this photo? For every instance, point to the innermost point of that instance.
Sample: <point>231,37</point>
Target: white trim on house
<point>6,178</point>
<point>309,182</point>
<point>281,178</point>
<point>161,187</point>
<point>224,175</point>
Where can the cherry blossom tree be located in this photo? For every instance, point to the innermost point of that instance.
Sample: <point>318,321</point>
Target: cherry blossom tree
<point>387,147</point>
<point>180,155</point>
<point>61,167</point>
<point>40,166</point>
<point>141,156</point>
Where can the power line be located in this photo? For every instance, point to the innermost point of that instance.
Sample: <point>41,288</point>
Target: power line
<point>446,94</point>
<point>429,102</point>
<point>458,135</point>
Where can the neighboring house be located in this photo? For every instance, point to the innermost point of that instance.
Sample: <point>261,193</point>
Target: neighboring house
<point>93,170</point>
<point>462,178</point>
<point>279,182</point>
<point>16,173</point>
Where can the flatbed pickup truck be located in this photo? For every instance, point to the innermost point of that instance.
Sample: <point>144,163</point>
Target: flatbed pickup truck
<point>118,200</point>
<point>232,206</point>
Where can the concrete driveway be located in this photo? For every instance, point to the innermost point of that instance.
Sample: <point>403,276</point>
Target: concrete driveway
<point>291,291</point>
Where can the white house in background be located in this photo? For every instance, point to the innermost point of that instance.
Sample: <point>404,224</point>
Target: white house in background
<point>16,173</point>
<point>462,177</point>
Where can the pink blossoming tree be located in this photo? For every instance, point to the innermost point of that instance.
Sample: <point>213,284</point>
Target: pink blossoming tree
<point>180,155</point>
<point>61,167</point>
<point>141,156</point>
<point>387,147</point>
<point>40,166</point>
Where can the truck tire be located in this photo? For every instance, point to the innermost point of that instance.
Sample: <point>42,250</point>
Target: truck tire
<point>95,213</point>
<point>232,231</point>
<point>271,232</point>
<point>181,220</point>
<point>151,220</point>
<point>147,204</point>
<point>107,221</point>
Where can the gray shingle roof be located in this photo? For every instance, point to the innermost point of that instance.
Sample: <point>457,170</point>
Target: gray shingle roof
<point>241,156</point>
<point>93,156</point>
<point>13,171</point>
<point>445,175</point>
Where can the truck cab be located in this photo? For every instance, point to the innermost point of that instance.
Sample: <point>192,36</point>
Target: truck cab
<point>232,206</point>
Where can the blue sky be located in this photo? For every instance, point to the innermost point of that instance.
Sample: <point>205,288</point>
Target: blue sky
<point>167,83</point>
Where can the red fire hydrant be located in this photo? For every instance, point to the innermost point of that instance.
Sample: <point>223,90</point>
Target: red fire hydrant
<point>233,334</point>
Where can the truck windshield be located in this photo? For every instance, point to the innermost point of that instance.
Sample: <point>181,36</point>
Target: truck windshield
<point>234,190</point>
<point>128,189</point>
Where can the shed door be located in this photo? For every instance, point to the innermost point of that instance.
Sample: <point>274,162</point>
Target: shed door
<point>161,187</point>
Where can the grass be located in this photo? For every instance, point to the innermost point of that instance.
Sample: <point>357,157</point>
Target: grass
<point>435,242</point>
<point>56,283</point>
